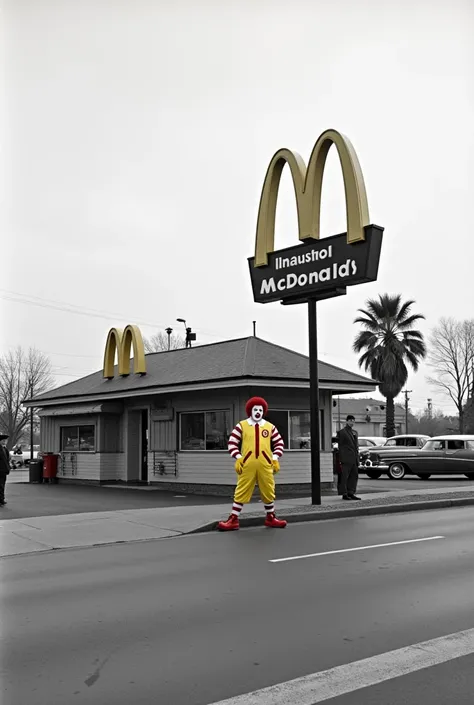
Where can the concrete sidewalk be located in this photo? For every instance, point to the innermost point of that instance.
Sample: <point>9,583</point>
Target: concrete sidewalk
<point>46,533</point>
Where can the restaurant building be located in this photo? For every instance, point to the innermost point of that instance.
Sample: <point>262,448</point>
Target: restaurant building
<point>370,416</point>
<point>167,421</point>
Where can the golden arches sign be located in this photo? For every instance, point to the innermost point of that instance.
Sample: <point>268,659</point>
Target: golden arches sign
<point>308,185</point>
<point>121,341</point>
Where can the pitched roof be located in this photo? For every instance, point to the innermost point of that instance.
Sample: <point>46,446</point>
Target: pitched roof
<point>359,404</point>
<point>230,360</point>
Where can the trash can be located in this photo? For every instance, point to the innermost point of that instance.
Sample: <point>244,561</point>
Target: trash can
<point>50,467</point>
<point>35,468</point>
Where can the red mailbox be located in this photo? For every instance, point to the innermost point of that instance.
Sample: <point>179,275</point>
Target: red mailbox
<point>50,466</point>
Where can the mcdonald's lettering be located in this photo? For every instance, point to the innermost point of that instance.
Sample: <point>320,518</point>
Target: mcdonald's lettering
<point>121,342</point>
<point>344,260</point>
<point>301,280</point>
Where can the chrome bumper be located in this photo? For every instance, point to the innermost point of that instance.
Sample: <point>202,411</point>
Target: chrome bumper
<point>368,465</point>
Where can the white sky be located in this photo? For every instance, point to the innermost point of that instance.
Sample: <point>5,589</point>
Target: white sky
<point>135,137</point>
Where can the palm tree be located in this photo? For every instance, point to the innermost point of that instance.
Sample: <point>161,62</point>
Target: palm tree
<point>389,341</point>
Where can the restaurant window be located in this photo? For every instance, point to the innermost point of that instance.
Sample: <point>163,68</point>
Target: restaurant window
<point>76,439</point>
<point>295,428</point>
<point>280,420</point>
<point>205,430</point>
<point>300,431</point>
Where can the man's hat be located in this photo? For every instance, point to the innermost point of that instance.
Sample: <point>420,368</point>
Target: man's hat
<point>3,437</point>
<point>255,401</point>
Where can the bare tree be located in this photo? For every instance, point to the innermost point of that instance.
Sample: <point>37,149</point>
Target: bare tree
<point>433,423</point>
<point>469,408</point>
<point>159,342</point>
<point>451,356</point>
<point>23,375</point>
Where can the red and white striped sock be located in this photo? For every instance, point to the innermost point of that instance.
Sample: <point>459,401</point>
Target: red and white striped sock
<point>270,508</point>
<point>236,508</point>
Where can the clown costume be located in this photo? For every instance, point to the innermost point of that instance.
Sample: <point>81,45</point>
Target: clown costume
<point>256,447</point>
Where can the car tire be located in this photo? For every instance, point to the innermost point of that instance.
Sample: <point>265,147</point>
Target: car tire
<point>470,475</point>
<point>373,474</point>
<point>396,471</point>
<point>424,476</point>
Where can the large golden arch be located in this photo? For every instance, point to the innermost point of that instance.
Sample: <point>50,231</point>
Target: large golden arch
<point>113,344</point>
<point>308,184</point>
<point>121,341</point>
<point>132,336</point>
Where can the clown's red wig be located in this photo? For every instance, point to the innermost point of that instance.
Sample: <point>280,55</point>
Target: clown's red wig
<point>256,401</point>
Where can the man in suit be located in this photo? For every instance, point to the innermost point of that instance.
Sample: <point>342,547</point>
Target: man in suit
<point>348,441</point>
<point>4,468</point>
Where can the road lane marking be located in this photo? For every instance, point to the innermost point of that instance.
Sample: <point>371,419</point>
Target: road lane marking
<point>349,550</point>
<point>325,685</point>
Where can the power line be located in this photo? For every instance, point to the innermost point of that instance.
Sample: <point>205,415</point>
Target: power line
<point>71,308</point>
<point>32,300</point>
<point>61,354</point>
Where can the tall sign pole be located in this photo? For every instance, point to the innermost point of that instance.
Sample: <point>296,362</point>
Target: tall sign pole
<point>407,399</point>
<point>315,269</point>
<point>314,403</point>
<point>31,433</point>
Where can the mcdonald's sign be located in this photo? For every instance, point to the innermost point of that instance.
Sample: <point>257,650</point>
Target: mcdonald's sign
<point>314,268</point>
<point>121,342</point>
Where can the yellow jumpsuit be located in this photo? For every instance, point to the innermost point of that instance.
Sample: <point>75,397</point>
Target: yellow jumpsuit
<point>256,451</point>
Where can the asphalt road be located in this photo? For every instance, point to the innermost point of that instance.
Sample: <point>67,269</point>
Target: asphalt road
<point>194,620</point>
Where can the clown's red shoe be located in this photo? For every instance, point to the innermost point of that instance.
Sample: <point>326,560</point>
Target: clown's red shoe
<point>275,523</point>
<point>232,524</point>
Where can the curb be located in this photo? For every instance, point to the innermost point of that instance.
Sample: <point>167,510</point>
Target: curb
<point>295,518</point>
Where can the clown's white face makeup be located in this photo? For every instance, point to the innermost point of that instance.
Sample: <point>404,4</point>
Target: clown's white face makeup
<point>257,413</point>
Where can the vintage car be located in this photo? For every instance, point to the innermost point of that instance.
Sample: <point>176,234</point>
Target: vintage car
<point>411,440</point>
<point>364,442</point>
<point>21,458</point>
<point>442,455</point>
<point>371,441</point>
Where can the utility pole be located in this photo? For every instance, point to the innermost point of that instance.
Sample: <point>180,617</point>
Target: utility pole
<point>407,399</point>
<point>254,328</point>
<point>31,433</point>
<point>430,409</point>
<point>168,333</point>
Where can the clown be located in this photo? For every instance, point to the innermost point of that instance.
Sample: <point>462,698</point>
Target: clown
<point>256,447</point>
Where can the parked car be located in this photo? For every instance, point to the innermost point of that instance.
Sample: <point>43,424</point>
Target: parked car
<point>406,440</point>
<point>19,460</point>
<point>373,440</point>
<point>414,440</point>
<point>370,441</point>
<point>441,455</point>
<point>364,442</point>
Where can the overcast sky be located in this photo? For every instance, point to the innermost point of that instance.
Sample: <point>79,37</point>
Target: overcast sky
<point>136,136</point>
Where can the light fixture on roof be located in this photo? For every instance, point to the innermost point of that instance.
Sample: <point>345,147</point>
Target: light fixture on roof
<point>189,334</point>
<point>168,332</point>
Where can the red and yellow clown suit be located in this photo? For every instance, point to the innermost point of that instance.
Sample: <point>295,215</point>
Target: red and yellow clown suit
<point>256,447</point>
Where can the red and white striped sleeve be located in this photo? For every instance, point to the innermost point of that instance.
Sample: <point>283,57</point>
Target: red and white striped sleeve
<point>277,443</point>
<point>233,445</point>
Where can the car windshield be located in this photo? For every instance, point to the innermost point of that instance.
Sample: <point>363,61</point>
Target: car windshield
<point>400,442</point>
<point>434,445</point>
